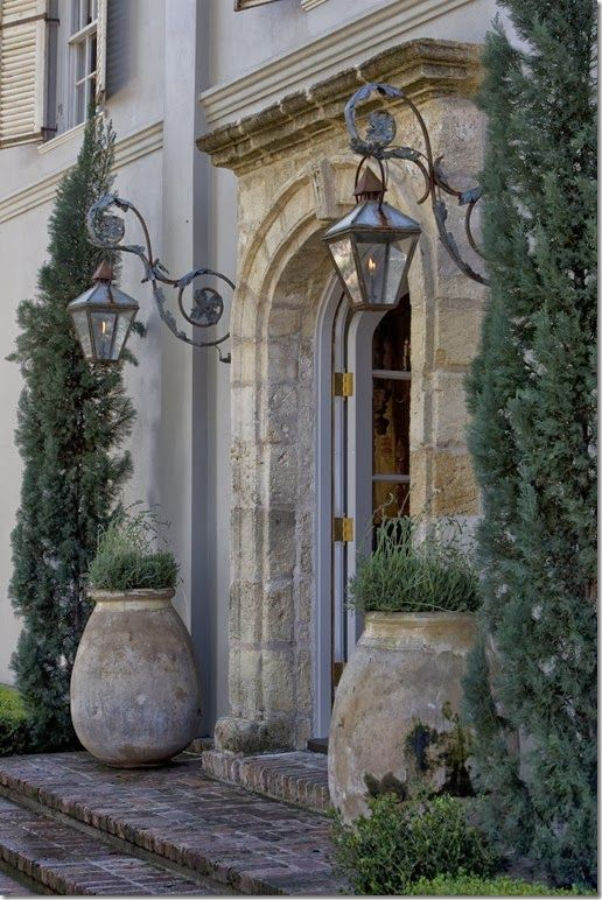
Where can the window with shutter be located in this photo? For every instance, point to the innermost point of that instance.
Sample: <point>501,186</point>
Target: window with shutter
<point>52,64</point>
<point>23,51</point>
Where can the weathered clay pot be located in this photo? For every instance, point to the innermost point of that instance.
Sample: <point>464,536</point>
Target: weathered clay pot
<point>135,697</point>
<point>394,722</point>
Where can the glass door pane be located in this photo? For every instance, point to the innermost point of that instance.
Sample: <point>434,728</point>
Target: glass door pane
<point>391,390</point>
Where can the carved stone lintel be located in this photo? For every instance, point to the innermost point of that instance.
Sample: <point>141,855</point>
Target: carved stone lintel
<point>424,68</point>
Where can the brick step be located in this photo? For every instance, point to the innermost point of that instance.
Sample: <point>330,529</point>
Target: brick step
<point>61,859</point>
<point>176,815</point>
<point>10,887</point>
<point>300,777</point>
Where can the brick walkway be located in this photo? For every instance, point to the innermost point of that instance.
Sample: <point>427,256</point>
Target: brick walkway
<point>66,861</point>
<point>11,888</point>
<point>256,845</point>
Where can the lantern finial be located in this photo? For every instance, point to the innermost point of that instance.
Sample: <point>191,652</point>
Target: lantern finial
<point>369,187</point>
<point>104,272</point>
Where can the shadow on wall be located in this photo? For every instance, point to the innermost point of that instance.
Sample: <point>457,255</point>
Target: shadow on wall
<point>119,13</point>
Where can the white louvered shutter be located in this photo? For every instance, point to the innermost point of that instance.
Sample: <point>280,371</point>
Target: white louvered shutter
<point>23,49</point>
<point>101,51</point>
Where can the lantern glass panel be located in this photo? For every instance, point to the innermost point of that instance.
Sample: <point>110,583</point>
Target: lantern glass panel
<point>103,327</point>
<point>123,327</point>
<point>80,320</point>
<point>383,265</point>
<point>342,253</point>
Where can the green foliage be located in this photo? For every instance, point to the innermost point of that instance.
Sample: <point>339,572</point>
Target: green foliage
<point>532,392</point>
<point>402,842</point>
<point>14,730</point>
<point>476,886</point>
<point>127,558</point>
<point>405,574</point>
<point>71,419</point>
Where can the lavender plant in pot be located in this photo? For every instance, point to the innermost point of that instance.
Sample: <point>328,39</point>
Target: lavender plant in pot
<point>395,721</point>
<point>135,696</point>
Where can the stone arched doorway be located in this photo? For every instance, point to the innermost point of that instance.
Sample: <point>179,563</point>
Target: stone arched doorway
<point>284,276</point>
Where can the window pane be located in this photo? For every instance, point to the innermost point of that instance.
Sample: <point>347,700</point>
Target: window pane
<point>391,342</point>
<point>80,61</point>
<point>80,102</point>
<point>389,499</point>
<point>92,60</point>
<point>390,427</point>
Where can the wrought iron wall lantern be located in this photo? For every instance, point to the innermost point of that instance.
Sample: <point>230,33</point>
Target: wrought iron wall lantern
<point>103,315</point>
<point>372,247</point>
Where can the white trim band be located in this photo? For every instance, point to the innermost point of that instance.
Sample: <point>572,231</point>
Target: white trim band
<point>147,140</point>
<point>336,50</point>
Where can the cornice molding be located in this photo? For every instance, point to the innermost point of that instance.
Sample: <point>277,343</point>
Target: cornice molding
<point>131,148</point>
<point>379,30</point>
<point>423,68</point>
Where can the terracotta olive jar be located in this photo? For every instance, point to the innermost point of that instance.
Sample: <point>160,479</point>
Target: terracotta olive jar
<point>394,723</point>
<point>135,696</point>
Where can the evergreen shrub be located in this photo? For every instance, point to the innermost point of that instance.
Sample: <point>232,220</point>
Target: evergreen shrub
<point>400,842</point>
<point>533,395</point>
<point>498,886</point>
<point>72,418</point>
<point>127,558</point>
<point>14,729</point>
<point>405,574</point>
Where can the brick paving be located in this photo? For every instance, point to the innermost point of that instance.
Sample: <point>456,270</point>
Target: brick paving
<point>11,888</point>
<point>66,861</point>
<point>299,777</point>
<point>255,844</point>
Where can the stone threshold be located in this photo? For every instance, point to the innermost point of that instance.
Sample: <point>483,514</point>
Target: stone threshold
<point>299,777</point>
<point>172,817</point>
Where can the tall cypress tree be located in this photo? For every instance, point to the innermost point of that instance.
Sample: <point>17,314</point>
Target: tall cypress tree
<point>531,687</point>
<point>71,417</point>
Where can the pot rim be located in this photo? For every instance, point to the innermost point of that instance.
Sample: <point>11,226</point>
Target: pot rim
<point>134,594</point>
<point>430,615</point>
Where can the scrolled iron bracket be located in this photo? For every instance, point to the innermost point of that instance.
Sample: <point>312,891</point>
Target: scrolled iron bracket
<point>107,230</point>
<point>377,144</point>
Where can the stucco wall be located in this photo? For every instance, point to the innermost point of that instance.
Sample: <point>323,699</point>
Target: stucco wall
<point>155,74</point>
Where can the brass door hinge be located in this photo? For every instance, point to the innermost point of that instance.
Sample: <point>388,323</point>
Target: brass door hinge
<point>342,529</point>
<point>343,384</point>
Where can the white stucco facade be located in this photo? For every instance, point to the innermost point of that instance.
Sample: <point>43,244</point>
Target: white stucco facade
<point>178,69</point>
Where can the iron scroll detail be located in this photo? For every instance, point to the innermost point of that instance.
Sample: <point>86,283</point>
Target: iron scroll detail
<point>107,230</point>
<point>377,144</point>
